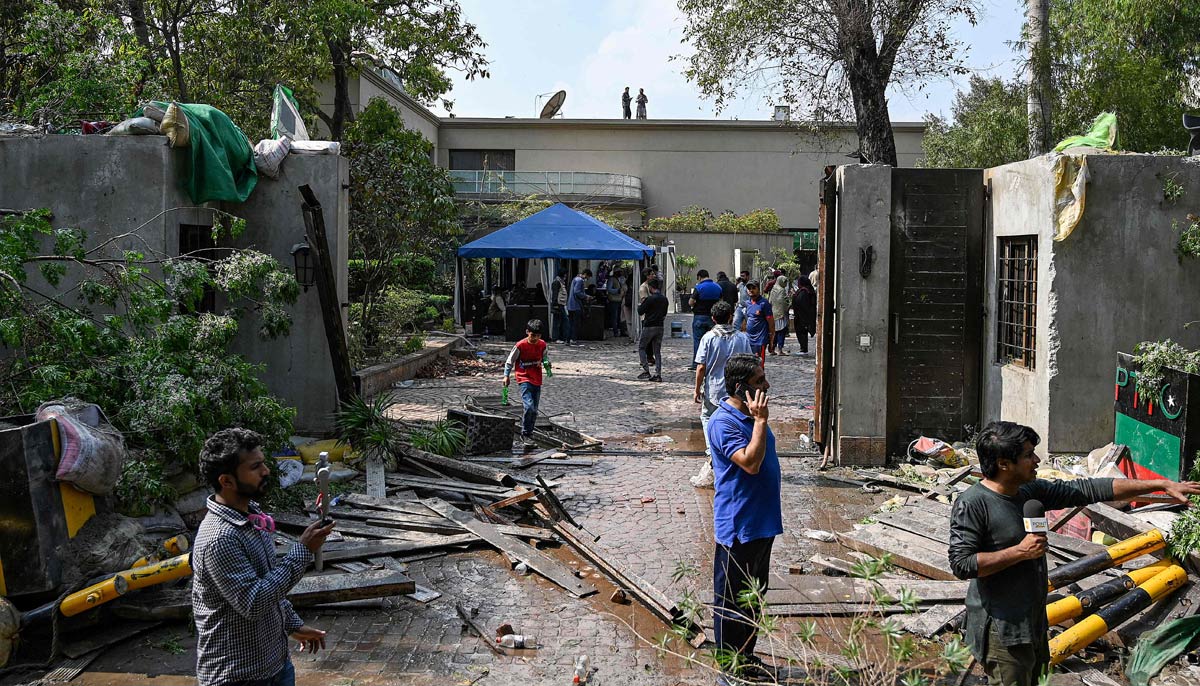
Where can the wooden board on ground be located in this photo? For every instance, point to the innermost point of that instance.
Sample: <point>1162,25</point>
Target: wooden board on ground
<point>66,670</point>
<point>930,622</point>
<point>292,521</point>
<point>332,588</point>
<point>403,505</point>
<point>452,485</point>
<point>421,594</point>
<point>835,566</point>
<point>536,560</point>
<point>356,551</point>
<point>564,462</point>
<point>526,462</point>
<point>908,551</point>
<point>824,589</point>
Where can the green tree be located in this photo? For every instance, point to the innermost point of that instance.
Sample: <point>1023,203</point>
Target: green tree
<point>403,205</point>
<point>61,61</point>
<point>833,58</point>
<point>989,127</point>
<point>123,330</point>
<point>1131,57</point>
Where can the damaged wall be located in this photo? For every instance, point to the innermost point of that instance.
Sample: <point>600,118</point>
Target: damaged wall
<point>110,185</point>
<point>864,220</point>
<point>1112,283</point>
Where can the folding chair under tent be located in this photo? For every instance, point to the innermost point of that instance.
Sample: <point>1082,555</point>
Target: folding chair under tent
<point>556,233</point>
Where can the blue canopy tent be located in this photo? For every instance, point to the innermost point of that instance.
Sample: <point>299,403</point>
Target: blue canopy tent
<point>556,233</point>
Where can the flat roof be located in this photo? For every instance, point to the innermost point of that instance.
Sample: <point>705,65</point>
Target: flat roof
<point>741,124</point>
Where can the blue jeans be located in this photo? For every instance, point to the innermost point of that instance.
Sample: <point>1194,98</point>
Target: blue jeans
<point>570,326</point>
<point>530,395</point>
<point>733,567</point>
<point>558,332</point>
<point>780,338</point>
<point>739,316</point>
<point>701,324</point>
<point>614,316</point>
<point>284,677</point>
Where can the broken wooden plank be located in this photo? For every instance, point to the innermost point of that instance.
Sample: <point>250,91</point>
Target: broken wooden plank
<point>944,489</point>
<point>520,497</point>
<point>654,600</point>
<point>826,589</point>
<point>832,609</point>
<point>288,520</point>
<point>401,505</point>
<point>421,594</point>
<point>333,588</point>
<point>453,485</point>
<point>467,471</point>
<point>908,551</point>
<point>554,462</point>
<point>932,621</point>
<point>353,551</point>
<point>826,565</point>
<point>526,553</point>
<point>526,462</point>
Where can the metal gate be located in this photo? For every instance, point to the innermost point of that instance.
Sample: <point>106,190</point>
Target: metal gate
<point>824,402</point>
<point>936,304</point>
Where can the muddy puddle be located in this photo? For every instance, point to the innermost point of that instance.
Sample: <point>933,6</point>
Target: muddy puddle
<point>686,436</point>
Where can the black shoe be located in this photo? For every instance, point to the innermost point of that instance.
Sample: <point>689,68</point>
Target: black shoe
<point>656,377</point>
<point>754,669</point>
<point>643,376</point>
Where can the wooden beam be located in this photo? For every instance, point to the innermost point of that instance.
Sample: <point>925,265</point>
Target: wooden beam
<point>524,552</point>
<point>520,497</point>
<point>333,588</point>
<point>331,311</point>
<point>467,471</point>
<point>526,462</point>
<point>908,551</point>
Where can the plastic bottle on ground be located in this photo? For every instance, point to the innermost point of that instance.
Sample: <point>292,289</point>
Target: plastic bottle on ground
<point>583,669</point>
<point>516,641</point>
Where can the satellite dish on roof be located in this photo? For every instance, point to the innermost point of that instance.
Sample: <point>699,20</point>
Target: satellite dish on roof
<point>553,105</point>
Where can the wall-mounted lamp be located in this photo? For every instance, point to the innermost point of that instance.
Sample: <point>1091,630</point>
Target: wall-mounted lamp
<point>306,268</point>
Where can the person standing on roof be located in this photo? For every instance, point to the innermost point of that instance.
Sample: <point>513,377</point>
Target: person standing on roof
<point>527,358</point>
<point>641,103</point>
<point>626,98</point>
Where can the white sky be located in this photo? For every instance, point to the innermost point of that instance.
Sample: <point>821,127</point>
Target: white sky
<point>593,49</point>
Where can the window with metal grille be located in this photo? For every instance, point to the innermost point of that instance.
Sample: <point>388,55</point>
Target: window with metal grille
<point>1016,306</point>
<point>196,242</point>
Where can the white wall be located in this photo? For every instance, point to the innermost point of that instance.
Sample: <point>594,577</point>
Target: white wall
<point>721,165</point>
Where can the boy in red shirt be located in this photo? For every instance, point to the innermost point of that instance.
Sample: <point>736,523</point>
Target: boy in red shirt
<point>528,357</point>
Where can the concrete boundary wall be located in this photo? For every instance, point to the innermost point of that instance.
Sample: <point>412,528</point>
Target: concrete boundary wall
<point>109,185</point>
<point>1114,282</point>
<point>861,319</point>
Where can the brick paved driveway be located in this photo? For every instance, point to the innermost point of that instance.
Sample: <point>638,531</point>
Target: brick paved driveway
<point>593,389</point>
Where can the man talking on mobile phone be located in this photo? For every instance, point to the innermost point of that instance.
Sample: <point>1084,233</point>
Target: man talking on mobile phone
<point>1006,623</point>
<point>747,515</point>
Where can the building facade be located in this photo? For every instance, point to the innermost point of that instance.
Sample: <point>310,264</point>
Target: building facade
<point>647,167</point>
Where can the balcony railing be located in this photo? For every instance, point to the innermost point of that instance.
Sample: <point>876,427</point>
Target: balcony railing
<point>572,185</point>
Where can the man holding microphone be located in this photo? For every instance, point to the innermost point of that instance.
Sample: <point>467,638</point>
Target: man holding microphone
<point>1001,547</point>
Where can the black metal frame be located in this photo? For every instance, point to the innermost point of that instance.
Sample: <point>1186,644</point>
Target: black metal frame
<point>1016,300</point>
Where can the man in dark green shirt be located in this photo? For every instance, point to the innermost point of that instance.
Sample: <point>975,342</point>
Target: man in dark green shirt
<point>1006,623</point>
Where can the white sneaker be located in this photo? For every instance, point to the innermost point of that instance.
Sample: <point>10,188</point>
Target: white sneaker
<point>706,478</point>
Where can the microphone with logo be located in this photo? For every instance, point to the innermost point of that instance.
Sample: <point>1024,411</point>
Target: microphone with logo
<point>1034,517</point>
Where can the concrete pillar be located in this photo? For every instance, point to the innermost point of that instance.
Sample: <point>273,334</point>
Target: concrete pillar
<point>861,333</point>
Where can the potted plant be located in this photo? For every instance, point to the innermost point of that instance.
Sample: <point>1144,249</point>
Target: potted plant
<point>685,269</point>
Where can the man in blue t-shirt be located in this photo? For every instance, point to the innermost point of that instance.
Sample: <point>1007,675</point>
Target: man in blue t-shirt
<point>760,321</point>
<point>747,515</point>
<point>704,296</point>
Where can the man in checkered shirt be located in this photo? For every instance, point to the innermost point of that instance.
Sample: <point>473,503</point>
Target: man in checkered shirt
<point>239,589</point>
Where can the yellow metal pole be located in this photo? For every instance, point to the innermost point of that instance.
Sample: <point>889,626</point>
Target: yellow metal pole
<point>93,596</point>
<point>1076,604</point>
<point>1094,626</point>
<point>158,573</point>
<point>1115,554</point>
<point>175,545</point>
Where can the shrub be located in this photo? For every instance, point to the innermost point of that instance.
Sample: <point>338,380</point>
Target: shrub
<point>696,218</point>
<point>414,343</point>
<point>444,438</point>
